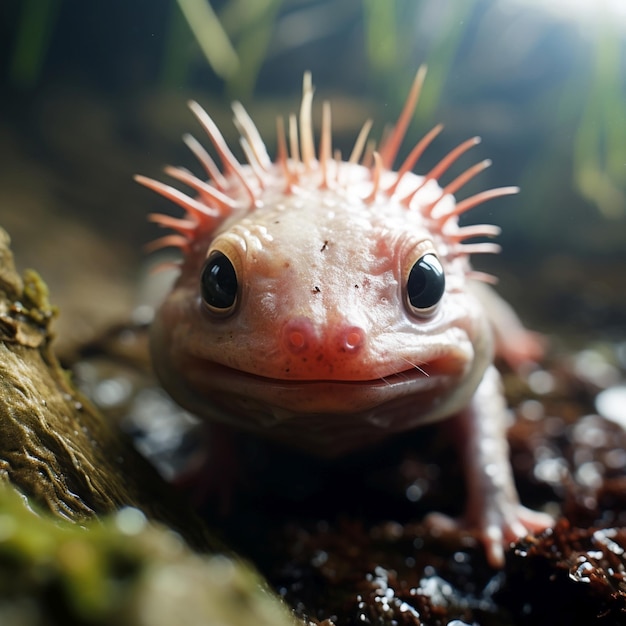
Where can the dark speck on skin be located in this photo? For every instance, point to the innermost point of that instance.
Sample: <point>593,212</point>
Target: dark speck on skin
<point>324,246</point>
<point>315,289</point>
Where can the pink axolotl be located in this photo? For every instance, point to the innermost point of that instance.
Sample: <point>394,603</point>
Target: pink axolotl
<point>328,304</point>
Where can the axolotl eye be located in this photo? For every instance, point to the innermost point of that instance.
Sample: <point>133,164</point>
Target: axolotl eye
<point>425,285</point>
<point>219,285</point>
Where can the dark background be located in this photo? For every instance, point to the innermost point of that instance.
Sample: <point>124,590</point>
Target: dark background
<point>93,92</point>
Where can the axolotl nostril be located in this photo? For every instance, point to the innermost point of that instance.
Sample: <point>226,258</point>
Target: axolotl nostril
<point>328,303</point>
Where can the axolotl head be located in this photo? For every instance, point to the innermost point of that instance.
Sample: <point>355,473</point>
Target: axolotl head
<point>325,303</point>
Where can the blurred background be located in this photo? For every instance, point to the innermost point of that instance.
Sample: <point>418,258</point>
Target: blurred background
<point>93,92</point>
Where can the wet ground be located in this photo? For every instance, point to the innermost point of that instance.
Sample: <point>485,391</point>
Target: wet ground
<point>343,542</point>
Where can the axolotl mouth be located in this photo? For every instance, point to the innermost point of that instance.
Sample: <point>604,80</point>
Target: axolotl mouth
<point>329,415</point>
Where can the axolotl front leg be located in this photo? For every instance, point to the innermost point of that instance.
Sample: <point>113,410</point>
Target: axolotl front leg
<point>492,507</point>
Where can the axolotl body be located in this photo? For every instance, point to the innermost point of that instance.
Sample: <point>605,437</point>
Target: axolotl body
<point>328,304</point>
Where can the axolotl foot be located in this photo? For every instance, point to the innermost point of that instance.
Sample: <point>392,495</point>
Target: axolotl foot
<point>496,528</point>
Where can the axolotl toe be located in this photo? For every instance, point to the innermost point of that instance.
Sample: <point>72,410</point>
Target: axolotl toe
<point>328,304</point>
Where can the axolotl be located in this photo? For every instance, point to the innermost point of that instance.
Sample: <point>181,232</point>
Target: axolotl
<point>328,304</point>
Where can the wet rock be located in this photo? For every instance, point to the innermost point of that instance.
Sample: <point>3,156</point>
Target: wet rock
<point>611,404</point>
<point>55,447</point>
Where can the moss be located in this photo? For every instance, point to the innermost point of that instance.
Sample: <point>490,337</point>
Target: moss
<point>36,299</point>
<point>123,570</point>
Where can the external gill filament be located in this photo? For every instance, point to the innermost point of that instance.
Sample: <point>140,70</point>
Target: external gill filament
<point>296,158</point>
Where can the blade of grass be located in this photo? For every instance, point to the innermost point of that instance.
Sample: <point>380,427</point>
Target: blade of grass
<point>32,40</point>
<point>252,46</point>
<point>211,36</point>
<point>600,142</point>
<point>177,53</point>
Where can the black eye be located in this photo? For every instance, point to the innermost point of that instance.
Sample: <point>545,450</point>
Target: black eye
<point>426,283</point>
<point>219,283</point>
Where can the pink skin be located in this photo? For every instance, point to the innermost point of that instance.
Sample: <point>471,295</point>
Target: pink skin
<point>321,348</point>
